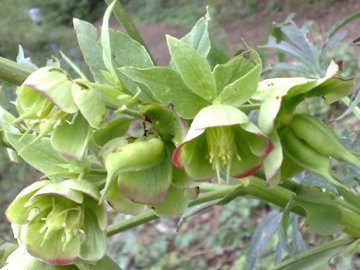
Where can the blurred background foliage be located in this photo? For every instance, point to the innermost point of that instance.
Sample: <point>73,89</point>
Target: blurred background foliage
<point>219,237</point>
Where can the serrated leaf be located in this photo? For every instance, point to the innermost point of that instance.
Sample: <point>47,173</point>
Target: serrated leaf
<point>168,87</point>
<point>88,41</point>
<point>193,68</point>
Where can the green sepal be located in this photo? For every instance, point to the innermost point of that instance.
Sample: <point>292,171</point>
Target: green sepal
<point>90,103</point>
<point>174,204</point>
<point>132,157</point>
<point>147,186</point>
<point>120,203</point>
<point>16,211</point>
<point>93,246</point>
<point>115,128</point>
<point>70,138</point>
<point>55,84</point>
<point>161,118</point>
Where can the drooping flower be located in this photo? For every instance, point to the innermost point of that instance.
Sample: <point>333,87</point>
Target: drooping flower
<point>20,259</point>
<point>60,222</point>
<point>221,139</point>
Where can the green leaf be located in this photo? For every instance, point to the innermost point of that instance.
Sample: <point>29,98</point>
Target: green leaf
<point>193,68</point>
<point>322,212</point>
<point>262,236</point>
<point>90,103</point>
<point>70,139</point>
<point>168,87</point>
<point>41,155</point>
<point>88,41</point>
<point>315,258</point>
<point>242,89</point>
<point>228,73</point>
<point>128,52</point>
<point>148,186</point>
<point>198,37</point>
<point>105,41</point>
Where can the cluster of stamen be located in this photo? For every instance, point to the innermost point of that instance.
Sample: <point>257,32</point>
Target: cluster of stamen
<point>64,215</point>
<point>221,149</point>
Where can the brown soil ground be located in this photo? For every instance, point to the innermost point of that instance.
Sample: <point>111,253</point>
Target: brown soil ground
<point>254,29</point>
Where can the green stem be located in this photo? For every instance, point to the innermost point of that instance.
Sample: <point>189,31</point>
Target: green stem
<point>252,186</point>
<point>249,107</point>
<point>129,26</point>
<point>13,72</point>
<point>255,187</point>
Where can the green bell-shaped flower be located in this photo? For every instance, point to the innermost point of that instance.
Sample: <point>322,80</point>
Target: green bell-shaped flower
<point>20,259</point>
<point>60,222</point>
<point>46,104</point>
<point>222,139</point>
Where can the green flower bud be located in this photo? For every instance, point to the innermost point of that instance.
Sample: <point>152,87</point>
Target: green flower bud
<point>60,222</point>
<point>222,139</point>
<point>321,138</point>
<point>143,169</point>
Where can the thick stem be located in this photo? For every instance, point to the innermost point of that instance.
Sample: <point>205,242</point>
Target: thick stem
<point>255,187</point>
<point>252,186</point>
<point>13,72</point>
<point>127,23</point>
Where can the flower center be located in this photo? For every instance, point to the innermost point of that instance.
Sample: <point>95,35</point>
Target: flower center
<point>221,147</point>
<point>66,216</point>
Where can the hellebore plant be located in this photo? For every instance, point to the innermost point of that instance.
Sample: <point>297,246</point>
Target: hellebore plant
<point>140,137</point>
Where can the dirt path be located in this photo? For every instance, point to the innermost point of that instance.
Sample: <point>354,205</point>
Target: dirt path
<point>255,29</point>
